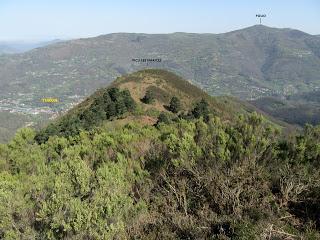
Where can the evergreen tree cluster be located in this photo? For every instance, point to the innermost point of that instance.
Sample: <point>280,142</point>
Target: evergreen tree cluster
<point>201,109</point>
<point>111,104</point>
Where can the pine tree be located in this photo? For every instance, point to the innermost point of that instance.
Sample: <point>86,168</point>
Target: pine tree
<point>148,98</point>
<point>114,93</point>
<point>175,105</point>
<point>201,109</point>
<point>163,118</point>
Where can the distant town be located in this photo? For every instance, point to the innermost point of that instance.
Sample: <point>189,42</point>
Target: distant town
<point>27,104</point>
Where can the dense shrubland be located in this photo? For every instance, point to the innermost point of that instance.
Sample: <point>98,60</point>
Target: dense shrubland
<point>191,176</point>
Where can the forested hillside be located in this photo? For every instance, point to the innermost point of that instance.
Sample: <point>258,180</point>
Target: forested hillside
<point>299,109</point>
<point>135,162</point>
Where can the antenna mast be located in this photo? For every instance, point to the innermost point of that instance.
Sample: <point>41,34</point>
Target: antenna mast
<point>260,16</point>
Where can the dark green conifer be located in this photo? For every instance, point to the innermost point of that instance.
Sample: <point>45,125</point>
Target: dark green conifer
<point>175,105</point>
<point>148,97</point>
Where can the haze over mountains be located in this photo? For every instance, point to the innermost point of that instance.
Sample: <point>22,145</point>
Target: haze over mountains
<point>12,47</point>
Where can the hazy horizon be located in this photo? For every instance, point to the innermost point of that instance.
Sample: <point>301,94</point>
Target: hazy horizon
<point>44,40</point>
<point>36,20</point>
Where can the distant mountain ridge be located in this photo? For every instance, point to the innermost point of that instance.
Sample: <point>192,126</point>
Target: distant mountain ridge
<point>248,63</point>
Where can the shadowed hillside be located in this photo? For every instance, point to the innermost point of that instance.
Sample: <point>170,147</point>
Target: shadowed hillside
<point>297,109</point>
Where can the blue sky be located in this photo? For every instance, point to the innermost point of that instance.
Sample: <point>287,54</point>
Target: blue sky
<point>43,19</point>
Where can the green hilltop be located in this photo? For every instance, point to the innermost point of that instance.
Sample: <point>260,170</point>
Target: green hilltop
<point>124,99</point>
